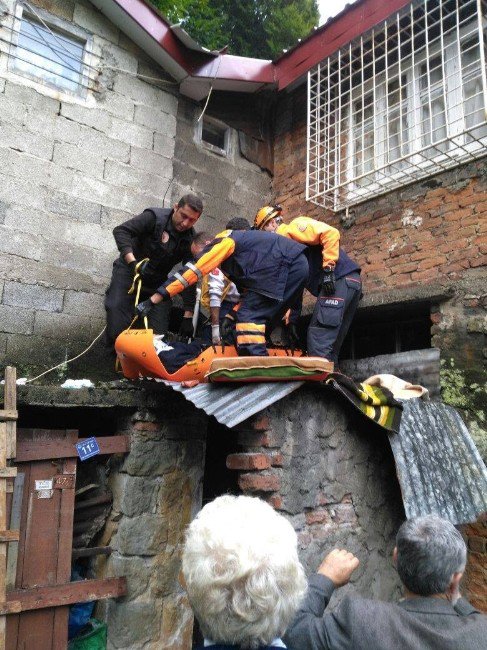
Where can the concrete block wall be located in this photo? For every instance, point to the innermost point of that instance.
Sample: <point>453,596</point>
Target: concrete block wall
<point>426,241</point>
<point>230,186</point>
<point>71,169</point>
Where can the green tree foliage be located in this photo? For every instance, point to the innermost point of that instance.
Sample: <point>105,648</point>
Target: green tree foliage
<point>260,29</point>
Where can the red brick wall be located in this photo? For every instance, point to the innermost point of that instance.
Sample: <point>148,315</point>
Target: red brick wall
<point>432,231</point>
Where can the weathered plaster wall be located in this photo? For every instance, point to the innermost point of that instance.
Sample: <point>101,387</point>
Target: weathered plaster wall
<point>427,241</point>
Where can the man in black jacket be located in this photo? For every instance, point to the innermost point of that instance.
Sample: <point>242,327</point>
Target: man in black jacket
<point>164,237</point>
<point>430,557</point>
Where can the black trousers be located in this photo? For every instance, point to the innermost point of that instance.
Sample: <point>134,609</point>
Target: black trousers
<point>120,306</point>
<point>332,317</point>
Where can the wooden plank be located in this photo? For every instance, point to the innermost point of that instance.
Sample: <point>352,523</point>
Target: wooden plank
<point>73,592</point>
<point>3,513</point>
<point>11,607</point>
<point>8,472</point>
<point>15,513</point>
<point>8,414</point>
<point>28,450</point>
<point>9,535</point>
<point>89,552</point>
<point>10,404</point>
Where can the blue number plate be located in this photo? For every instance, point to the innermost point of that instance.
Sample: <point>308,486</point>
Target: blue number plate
<point>87,448</point>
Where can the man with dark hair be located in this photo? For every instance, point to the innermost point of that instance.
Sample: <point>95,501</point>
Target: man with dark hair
<point>269,270</point>
<point>150,245</point>
<point>430,557</point>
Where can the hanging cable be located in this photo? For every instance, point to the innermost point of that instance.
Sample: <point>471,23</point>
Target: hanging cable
<point>64,363</point>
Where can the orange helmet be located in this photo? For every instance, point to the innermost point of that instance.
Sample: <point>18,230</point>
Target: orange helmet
<point>265,214</point>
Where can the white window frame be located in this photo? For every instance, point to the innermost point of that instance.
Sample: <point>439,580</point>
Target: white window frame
<point>345,187</point>
<point>59,27</point>
<point>208,145</point>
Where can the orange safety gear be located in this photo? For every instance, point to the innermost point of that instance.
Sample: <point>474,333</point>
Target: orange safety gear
<point>314,233</point>
<point>265,214</point>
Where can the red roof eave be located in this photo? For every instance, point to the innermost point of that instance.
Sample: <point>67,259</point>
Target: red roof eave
<point>220,68</point>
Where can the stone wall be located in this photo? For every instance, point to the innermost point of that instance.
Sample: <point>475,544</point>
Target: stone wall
<point>157,490</point>
<point>333,474</point>
<point>74,167</point>
<point>156,494</point>
<point>427,241</point>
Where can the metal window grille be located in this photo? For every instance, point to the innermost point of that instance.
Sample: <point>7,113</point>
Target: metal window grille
<point>47,52</point>
<point>406,100</point>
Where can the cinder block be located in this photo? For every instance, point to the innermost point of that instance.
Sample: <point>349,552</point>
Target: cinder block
<point>62,203</point>
<point>36,222</point>
<point>164,144</point>
<point>23,165</point>
<point>119,58</point>
<point>107,147</point>
<point>133,134</point>
<point>118,105</point>
<point>95,22</point>
<point>33,296</point>
<point>74,157</point>
<point>2,85</point>
<point>10,109</point>
<point>151,162</point>
<point>155,119</point>
<point>127,176</point>
<point>81,303</point>
<point>62,8</point>
<point>140,91</point>
<point>28,352</point>
<point>88,116</point>
<point>64,327</point>
<point>16,137</point>
<point>54,127</point>
<point>69,256</point>
<point>26,96</point>
<point>16,320</point>
<point>19,243</point>
<point>111,217</point>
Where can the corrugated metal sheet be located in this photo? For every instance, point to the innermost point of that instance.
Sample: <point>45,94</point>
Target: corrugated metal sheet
<point>233,404</point>
<point>438,466</point>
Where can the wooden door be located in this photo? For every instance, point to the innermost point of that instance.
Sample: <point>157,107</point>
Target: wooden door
<point>45,545</point>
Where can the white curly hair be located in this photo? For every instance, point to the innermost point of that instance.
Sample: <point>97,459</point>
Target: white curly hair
<point>243,576</point>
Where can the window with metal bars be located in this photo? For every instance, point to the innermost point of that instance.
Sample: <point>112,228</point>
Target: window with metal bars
<point>406,100</point>
<point>48,50</point>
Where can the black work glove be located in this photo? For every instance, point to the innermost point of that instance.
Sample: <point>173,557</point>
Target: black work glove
<point>144,308</point>
<point>327,282</point>
<point>291,336</point>
<point>132,266</point>
<point>186,328</point>
<point>142,269</point>
<point>227,331</point>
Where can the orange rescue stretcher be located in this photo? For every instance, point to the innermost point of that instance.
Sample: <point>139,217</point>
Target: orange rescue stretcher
<point>138,359</point>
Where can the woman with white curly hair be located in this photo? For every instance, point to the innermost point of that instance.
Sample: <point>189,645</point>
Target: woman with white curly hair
<point>242,573</point>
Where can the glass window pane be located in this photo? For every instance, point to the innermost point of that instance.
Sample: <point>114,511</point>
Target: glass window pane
<point>49,55</point>
<point>213,134</point>
<point>433,113</point>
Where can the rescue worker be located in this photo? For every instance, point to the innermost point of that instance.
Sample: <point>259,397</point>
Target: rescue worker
<point>334,279</point>
<point>163,237</point>
<point>219,295</point>
<point>269,271</point>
